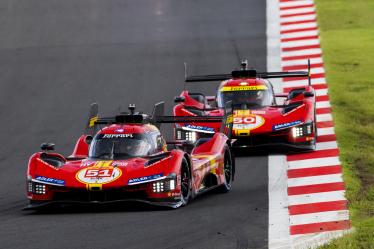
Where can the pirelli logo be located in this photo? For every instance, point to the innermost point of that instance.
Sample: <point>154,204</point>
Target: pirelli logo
<point>242,88</point>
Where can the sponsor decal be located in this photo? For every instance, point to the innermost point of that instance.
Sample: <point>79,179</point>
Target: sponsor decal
<point>118,136</point>
<point>119,163</point>
<point>144,179</point>
<point>47,164</point>
<point>87,163</point>
<point>249,122</point>
<point>258,112</point>
<point>101,173</point>
<point>242,88</point>
<point>198,128</point>
<point>50,180</point>
<point>286,125</point>
<point>105,163</point>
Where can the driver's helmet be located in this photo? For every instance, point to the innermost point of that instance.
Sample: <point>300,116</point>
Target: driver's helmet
<point>256,97</point>
<point>251,96</point>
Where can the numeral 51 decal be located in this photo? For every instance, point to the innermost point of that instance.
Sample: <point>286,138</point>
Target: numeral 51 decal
<point>98,173</point>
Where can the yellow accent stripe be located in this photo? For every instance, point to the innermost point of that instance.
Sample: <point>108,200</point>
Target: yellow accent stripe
<point>242,88</point>
<point>93,121</point>
<point>90,186</point>
<point>229,119</point>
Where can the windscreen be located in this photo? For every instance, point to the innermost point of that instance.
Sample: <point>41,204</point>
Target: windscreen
<point>119,146</point>
<point>247,99</point>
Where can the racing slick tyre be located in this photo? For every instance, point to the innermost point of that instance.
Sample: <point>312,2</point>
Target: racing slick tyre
<point>228,168</point>
<point>185,182</point>
<point>314,142</point>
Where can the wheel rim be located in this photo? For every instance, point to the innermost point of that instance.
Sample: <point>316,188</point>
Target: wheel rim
<point>185,182</point>
<point>227,169</point>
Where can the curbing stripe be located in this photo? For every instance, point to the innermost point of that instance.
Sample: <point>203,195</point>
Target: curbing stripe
<point>318,207</point>
<point>315,188</point>
<point>315,171</point>
<point>320,227</point>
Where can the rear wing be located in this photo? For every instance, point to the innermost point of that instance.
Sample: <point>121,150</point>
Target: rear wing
<point>249,73</point>
<point>226,120</point>
<point>157,118</point>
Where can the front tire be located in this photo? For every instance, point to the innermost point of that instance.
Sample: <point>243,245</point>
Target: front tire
<point>185,182</point>
<point>228,169</point>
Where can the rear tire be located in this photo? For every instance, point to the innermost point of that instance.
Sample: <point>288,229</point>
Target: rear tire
<point>228,169</point>
<point>186,188</point>
<point>314,143</point>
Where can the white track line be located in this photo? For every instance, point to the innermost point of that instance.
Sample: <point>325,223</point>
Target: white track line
<point>316,197</point>
<point>278,228</point>
<point>315,162</point>
<point>319,217</point>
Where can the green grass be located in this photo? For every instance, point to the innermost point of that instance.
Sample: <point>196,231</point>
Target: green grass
<point>347,38</point>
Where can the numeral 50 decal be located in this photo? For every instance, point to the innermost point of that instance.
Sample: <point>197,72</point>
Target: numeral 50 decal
<point>245,120</point>
<point>249,122</point>
<point>98,175</point>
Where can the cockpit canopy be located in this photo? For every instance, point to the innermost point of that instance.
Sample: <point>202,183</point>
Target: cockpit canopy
<point>246,97</point>
<point>122,146</point>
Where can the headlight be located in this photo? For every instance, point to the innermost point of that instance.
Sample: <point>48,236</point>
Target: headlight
<point>191,136</point>
<point>302,130</point>
<point>163,186</point>
<point>36,188</point>
<point>185,135</point>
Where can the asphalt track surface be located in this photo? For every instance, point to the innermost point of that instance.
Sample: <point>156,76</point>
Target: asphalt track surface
<point>56,57</point>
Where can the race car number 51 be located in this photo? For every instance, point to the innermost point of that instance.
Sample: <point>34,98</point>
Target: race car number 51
<point>99,173</point>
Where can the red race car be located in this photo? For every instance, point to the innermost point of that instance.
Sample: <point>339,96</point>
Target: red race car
<point>258,118</point>
<point>127,159</point>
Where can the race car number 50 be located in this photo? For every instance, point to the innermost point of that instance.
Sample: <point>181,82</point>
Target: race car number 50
<point>246,120</point>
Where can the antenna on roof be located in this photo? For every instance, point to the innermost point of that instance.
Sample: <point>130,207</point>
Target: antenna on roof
<point>185,76</point>
<point>132,108</point>
<point>244,65</point>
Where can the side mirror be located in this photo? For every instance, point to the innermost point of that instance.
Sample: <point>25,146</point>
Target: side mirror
<point>179,99</point>
<point>308,94</point>
<point>88,139</point>
<point>47,146</point>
